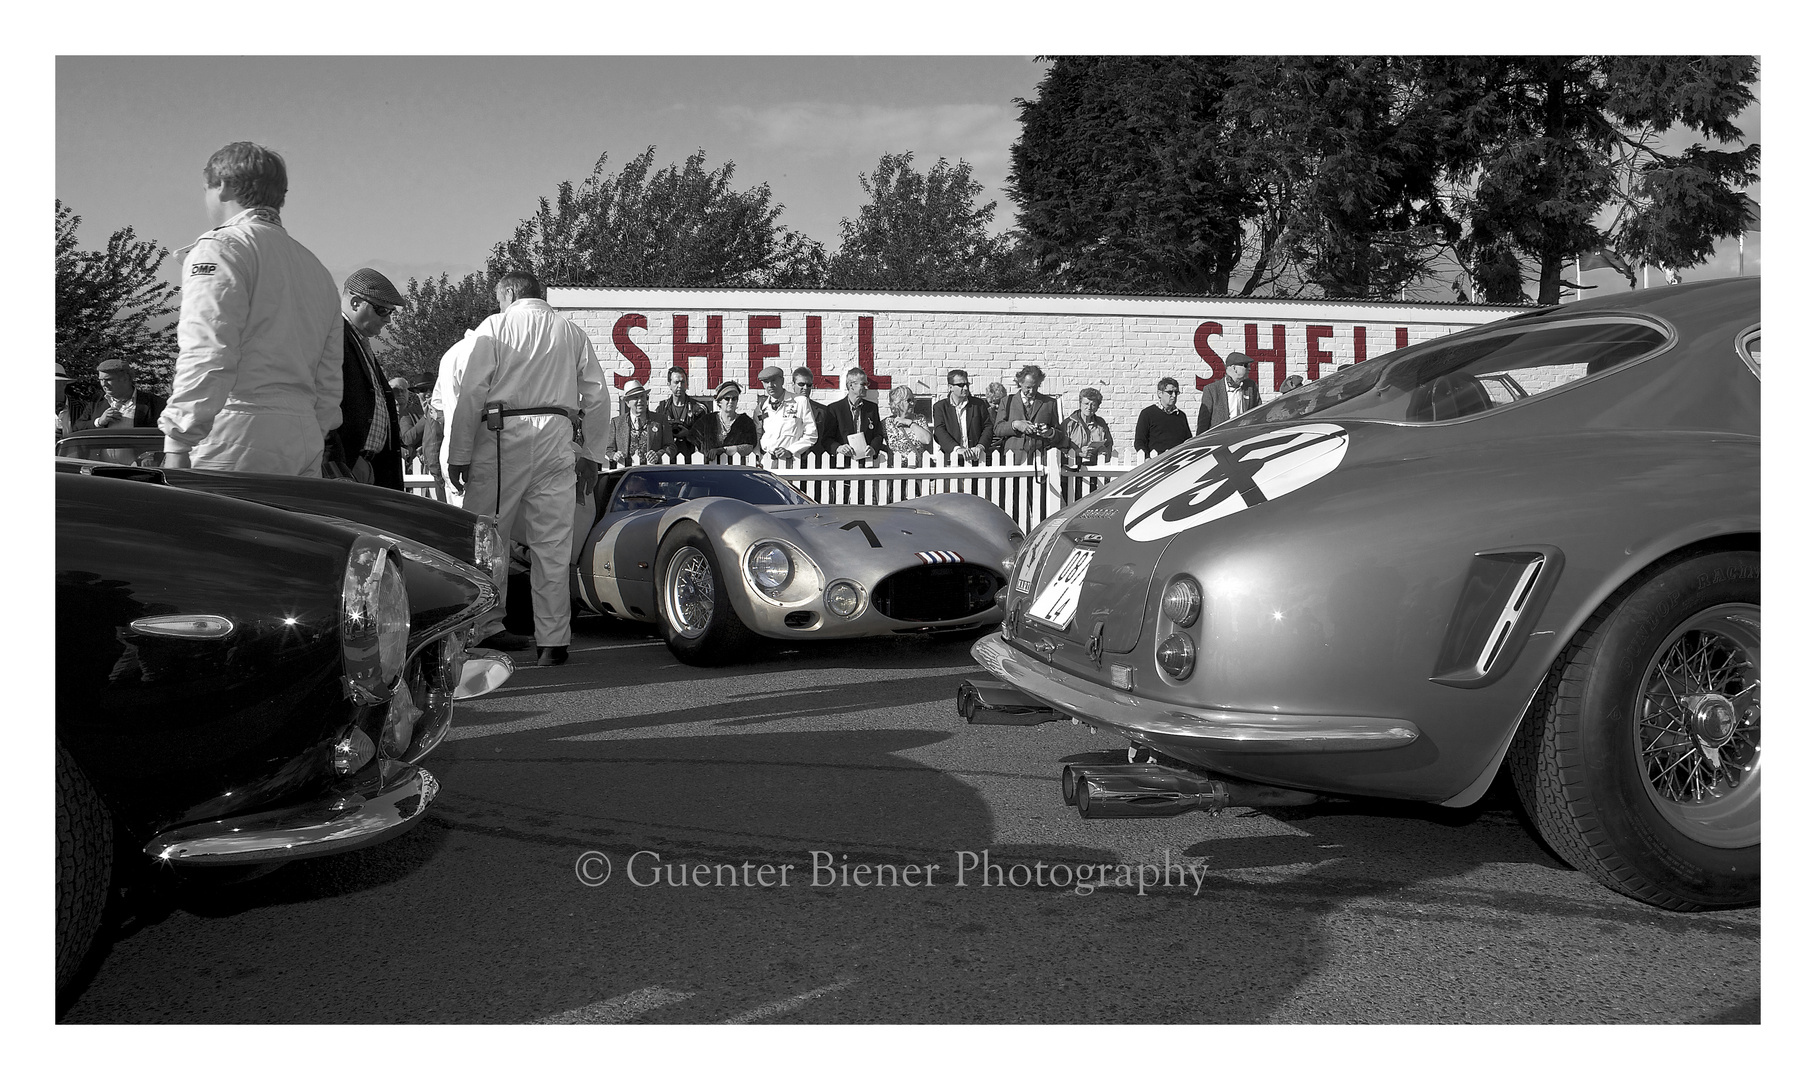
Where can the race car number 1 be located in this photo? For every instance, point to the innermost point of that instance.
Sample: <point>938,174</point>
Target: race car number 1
<point>1059,600</point>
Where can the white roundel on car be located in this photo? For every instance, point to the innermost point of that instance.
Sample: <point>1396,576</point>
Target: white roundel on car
<point>1211,482</point>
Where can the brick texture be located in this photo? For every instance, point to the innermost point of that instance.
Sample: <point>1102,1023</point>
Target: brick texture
<point>1121,346</point>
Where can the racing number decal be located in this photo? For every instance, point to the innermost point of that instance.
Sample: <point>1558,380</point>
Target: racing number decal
<point>864,525</point>
<point>1240,475</point>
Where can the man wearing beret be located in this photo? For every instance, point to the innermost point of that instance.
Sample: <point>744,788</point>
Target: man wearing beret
<point>367,446</point>
<point>1229,396</point>
<point>257,384</point>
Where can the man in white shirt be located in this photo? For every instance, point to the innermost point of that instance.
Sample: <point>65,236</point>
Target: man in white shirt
<point>785,421</point>
<point>511,444</point>
<point>257,384</point>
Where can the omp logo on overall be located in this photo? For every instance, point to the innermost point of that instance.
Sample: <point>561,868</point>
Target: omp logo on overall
<point>1211,482</point>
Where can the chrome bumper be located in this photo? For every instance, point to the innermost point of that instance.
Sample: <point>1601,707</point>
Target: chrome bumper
<point>325,827</point>
<point>1212,730</point>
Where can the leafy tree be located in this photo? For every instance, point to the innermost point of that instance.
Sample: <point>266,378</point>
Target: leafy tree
<point>439,313</point>
<point>1131,175</point>
<point>679,226</point>
<point>1545,144</point>
<point>923,231</point>
<point>1356,142</point>
<point>111,303</point>
<point>1170,174</point>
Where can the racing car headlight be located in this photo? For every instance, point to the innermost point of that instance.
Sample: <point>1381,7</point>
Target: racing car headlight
<point>1183,601</point>
<point>375,621</point>
<point>844,599</point>
<point>490,553</point>
<point>770,567</point>
<point>1177,655</point>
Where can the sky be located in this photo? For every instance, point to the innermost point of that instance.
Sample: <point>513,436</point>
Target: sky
<point>417,165</point>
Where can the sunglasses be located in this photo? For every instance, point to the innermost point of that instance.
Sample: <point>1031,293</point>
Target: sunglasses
<point>963,384</point>
<point>1171,390</point>
<point>380,310</point>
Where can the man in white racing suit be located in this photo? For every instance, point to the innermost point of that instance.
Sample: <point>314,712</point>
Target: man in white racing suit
<point>257,383</point>
<point>785,421</point>
<point>530,373</point>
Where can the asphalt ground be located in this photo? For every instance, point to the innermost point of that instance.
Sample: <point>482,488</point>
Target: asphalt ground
<point>496,910</point>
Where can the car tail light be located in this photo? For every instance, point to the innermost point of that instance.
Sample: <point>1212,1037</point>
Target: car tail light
<point>375,621</point>
<point>1177,655</point>
<point>1183,601</point>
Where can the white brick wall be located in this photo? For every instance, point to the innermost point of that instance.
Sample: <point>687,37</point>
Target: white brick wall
<point>1121,345</point>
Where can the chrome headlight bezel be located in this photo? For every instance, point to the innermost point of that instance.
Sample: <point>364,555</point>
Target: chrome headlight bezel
<point>374,620</point>
<point>858,596</point>
<point>769,566</point>
<point>491,552</point>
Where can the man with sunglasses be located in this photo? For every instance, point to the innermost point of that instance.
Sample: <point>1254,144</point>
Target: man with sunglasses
<point>828,440</point>
<point>962,425</point>
<point>367,446</point>
<point>257,383</point>
<point>1162,425</point>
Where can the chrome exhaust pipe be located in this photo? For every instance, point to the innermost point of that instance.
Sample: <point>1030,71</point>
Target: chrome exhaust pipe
<point>1163,791</point>
<point>986,701</point>
<point>1070,775</point>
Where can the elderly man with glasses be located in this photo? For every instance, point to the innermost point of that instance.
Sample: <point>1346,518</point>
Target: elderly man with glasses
<point>257,383</point>
<point>1162,425</point>
<point>368,445</point>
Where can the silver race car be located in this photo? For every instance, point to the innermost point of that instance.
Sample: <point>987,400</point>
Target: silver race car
<point>715,554</point>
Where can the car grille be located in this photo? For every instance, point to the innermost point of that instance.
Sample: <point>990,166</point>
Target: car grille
<point>936,592</point>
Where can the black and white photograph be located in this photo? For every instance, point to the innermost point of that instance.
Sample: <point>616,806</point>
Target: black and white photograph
<point>1207,534</point>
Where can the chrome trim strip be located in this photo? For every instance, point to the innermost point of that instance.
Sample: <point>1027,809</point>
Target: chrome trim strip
<point>324,827</point>
<point>1214,729</point>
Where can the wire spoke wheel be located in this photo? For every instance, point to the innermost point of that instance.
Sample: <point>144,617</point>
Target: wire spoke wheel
<point>1697,727</point>
<point>687,591</point>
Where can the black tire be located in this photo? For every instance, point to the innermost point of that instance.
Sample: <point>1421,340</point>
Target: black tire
<point>1639,763</point>
<point>84,865</point>
<point>703,631</point>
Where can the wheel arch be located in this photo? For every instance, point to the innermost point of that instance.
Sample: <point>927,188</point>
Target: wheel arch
<point>1646,563</point>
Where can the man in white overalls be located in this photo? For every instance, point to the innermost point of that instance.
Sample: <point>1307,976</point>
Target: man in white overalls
<point>511,443</point>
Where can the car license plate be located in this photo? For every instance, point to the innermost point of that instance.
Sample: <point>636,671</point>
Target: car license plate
<point>1059,600</point>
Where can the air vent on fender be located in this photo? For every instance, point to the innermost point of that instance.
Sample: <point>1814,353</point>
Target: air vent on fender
<point>1502,596</point>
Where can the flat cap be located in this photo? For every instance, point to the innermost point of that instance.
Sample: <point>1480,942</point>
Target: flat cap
<point>771,372</point>
<point>1238,358</point>
<point>106,366</point>
<point>369,284</point>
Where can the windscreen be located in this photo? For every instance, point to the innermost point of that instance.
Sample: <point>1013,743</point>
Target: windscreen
<point>640,490</point>
<point>1457,377</point>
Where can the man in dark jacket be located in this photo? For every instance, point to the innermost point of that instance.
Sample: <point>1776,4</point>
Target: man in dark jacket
<point>854,414</point>
<point>367,446</point>
<point>1029,420</point>
<point>121,404</point>
<point>1229,396</point>
<point>827,443</point>
<point>962,423</point>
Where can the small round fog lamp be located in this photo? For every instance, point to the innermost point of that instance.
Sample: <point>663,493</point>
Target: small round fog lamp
<point>1177,656</point>
<point>843,599</point>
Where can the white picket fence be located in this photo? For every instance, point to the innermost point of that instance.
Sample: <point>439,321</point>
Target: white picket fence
<point>1027,491</point>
